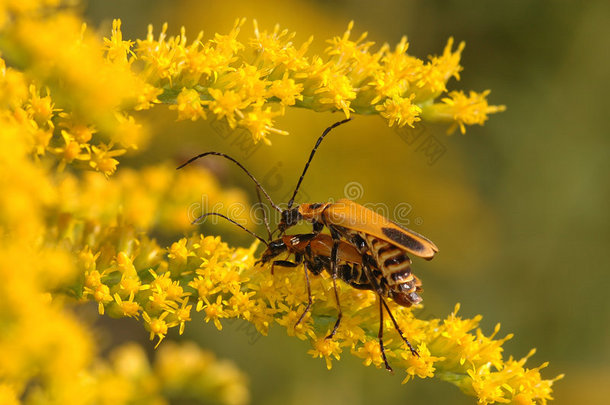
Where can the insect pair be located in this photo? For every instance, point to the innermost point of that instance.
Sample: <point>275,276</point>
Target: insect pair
<point>364,249</point>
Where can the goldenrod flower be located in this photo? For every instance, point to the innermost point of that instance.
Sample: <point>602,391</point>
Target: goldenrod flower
<point>118,50</point>
<point>327,349</point>
<point>399,110</point>
<point>421,366</point>
<point>462,110</point>
<point>214,311</point>
<point>370,351</point>
<point>182,315</point>
<point>127,308</point>
<point>157,326</point>
<point>41,109</point>
<point>103,158</point>
<point>188,104</point>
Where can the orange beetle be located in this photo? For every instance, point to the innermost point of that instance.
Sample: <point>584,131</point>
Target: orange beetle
<point>348,218</point>
<point>360,271</point>
<point>357,270</point>
<point>386,242</point>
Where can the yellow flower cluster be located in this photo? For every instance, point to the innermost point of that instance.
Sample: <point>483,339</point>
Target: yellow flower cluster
<point>133,277</point>
<point>46,354</point>
<point>96,85</point>
<point>248,84</point>
<point>129,275</point>
<point>86,123</point>
<point>153,197</point>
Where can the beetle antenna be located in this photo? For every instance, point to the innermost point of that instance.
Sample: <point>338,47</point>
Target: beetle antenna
<point>191,160</point>
<point>313,152</point>
<point>196,221</point>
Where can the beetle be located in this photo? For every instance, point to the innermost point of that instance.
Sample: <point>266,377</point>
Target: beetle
<point>315,252</point>
<point>373,235</point>
<point>357,270</point>
<point>369,232</point>
<point>347,219</point>
<point>344,217</point>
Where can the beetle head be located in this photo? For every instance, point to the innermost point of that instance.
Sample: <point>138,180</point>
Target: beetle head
<point>290,218</point>
<point>274,248</point>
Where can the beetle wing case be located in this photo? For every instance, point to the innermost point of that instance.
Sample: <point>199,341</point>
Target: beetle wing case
<point>353,216</point>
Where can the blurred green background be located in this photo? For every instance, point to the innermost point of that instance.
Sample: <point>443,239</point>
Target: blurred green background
<point>518,208</point>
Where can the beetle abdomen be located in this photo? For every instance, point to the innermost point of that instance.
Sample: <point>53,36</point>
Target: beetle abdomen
<point>393,261</point>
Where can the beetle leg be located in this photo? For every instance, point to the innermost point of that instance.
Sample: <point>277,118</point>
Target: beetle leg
<point>314,263</point>
<point>282,263</point>
<point>377,287</point>
<point>380,337</point>
<point>366,266</point>
<point>298,259</point>
<point>334,234</point>
<point>308,251</point>
<point>317,227</point>
<point>309,301</point>
<point>285,263</point>
<point>413,351</point>
<point>333,272</point>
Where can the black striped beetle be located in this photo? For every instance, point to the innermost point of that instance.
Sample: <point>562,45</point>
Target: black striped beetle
<point>358,270</point>
<point>369,232</point>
